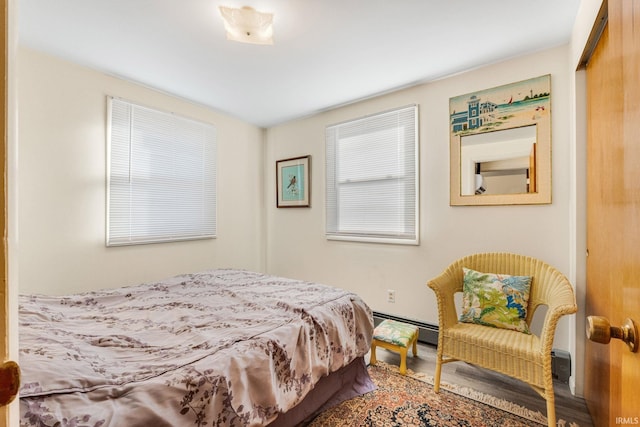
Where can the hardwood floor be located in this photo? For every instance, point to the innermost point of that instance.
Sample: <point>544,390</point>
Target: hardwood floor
<point>568,407</point>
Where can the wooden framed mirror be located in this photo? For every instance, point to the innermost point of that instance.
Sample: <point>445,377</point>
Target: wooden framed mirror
<point>500,147</point>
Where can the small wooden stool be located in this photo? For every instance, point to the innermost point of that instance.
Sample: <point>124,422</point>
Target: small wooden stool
<point>395,336</point>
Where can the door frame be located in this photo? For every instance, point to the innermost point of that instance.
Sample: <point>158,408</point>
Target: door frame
<point>9,287</point>
<point>4,300</point>
<point>585,31</point>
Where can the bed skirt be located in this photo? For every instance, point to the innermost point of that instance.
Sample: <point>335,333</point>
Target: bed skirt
<point>347,382</point>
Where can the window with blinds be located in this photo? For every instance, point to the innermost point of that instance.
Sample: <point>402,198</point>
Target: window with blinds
<point>161,176</point>
<point>372,178</point>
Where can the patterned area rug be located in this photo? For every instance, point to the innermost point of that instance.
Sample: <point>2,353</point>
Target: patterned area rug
<point>410,401</point>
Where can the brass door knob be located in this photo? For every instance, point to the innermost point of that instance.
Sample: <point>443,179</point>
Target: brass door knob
<point>600,330</point>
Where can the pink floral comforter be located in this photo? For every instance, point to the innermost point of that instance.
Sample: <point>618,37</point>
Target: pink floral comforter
<point>221,347</point>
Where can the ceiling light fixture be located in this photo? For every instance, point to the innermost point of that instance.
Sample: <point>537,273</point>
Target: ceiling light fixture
<point>247,25</point>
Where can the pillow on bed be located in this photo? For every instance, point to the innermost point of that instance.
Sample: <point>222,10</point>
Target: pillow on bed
<point>496,300</point>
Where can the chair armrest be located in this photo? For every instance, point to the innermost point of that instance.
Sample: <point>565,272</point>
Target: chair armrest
<point>445,287</point>
<point>560,300</point>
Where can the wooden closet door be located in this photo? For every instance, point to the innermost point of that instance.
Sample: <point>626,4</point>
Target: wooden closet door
<point>612,372</point>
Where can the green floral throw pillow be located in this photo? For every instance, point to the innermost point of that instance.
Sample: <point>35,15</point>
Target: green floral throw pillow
<point>496,300</point>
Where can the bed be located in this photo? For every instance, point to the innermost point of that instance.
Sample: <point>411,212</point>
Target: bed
<point>215,348</point>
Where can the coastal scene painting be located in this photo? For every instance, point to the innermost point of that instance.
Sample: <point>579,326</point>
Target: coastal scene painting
<point>509,106</point>
<point>500,145</point>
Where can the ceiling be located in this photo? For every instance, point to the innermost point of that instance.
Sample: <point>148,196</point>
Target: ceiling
<point>326,53</point>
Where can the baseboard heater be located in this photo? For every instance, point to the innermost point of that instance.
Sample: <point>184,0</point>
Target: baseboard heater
<point>428,334</point>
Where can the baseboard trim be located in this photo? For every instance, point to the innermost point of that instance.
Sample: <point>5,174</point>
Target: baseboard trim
<point>428,334</point>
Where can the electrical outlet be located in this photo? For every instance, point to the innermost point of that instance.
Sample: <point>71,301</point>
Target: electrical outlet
<point>391,295</point>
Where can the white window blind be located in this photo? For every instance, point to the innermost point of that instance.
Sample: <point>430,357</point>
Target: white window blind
<point>372,178</point>
<point>161,183</point>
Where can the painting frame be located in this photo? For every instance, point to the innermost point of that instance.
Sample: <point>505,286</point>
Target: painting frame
<point>293,182</point>
<point>533,110</point>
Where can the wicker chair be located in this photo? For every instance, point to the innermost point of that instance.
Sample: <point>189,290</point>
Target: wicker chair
<point>522,356</point>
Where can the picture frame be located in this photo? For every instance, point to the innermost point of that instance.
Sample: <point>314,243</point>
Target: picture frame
<point>500,146</point>
<point>293,179</point>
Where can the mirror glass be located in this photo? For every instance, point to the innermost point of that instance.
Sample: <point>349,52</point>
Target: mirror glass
<point>500,162</point>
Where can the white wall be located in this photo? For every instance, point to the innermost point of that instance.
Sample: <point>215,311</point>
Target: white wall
<point>296,245</point>
<point>61,185</point>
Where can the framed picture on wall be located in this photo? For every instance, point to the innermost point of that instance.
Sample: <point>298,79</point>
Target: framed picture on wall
<point>293,182</point>
<point>500,146</point>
